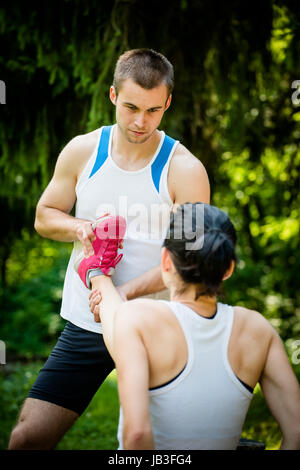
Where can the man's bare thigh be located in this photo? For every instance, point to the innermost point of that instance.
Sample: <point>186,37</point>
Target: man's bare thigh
<point>41,424</point>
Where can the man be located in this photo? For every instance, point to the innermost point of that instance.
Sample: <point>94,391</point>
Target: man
<point>187,368</point>
<point>130,168</point>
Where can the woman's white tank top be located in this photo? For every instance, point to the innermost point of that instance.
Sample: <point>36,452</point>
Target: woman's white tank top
<point>206,405</point>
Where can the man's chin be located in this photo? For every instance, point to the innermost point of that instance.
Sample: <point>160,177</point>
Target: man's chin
<point>132,139</point>
<point>138,139</point>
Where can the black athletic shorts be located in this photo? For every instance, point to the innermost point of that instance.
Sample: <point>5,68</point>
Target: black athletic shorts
<point>75,369</point>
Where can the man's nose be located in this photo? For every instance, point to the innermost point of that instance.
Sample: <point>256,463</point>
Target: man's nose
<point>140,120</point>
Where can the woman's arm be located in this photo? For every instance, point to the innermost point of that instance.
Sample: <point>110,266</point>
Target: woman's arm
<point>104,289</point>
<point>121,323</point>
<point>282,393</point>
<point>132,366</point>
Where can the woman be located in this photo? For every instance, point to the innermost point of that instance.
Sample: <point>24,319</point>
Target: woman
<point>187,368</point>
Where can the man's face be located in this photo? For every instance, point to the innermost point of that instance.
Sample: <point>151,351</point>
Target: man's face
<point>139,111</point>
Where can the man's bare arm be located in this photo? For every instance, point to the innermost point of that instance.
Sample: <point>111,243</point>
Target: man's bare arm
<point>145,284</point>
<point>52,214</point>
<point>188,180</point>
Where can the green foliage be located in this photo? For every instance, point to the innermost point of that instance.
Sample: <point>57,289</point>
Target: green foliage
<point>30,320</point>
<point>268,229</point>
<point>229,64</point>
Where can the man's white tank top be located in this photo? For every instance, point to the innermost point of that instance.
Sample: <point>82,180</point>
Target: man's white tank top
<point>206,405</point>
<point>142,197</point>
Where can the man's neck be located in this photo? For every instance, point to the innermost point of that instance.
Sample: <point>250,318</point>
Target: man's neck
<point>133,152</point>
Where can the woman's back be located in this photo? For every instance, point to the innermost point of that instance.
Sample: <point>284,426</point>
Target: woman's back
<point>197,400</point>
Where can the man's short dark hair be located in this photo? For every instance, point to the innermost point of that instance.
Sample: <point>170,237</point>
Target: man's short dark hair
<point>145,67</point>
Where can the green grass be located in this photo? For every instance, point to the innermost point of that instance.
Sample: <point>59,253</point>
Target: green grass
<point>96,429</point>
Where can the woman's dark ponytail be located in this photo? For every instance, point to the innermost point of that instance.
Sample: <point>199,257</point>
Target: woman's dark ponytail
<point>206,265</point>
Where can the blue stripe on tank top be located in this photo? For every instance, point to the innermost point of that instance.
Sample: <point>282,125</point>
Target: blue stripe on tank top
<point>161,159</point>
<point>102,153</point>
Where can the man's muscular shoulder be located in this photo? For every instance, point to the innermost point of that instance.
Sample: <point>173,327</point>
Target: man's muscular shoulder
<point>187,171</point>
<point>78,150</point>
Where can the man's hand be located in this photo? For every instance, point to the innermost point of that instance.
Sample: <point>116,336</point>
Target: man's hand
<point>95,300</point>
<point>94,303</point>
<point>86,236</point>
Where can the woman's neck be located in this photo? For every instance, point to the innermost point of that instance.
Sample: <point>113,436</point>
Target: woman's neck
<point>205,306</point>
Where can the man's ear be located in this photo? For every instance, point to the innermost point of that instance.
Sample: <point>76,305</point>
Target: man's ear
<point>229,271</point>
<point>113,95</point>
<point>168,102</point>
